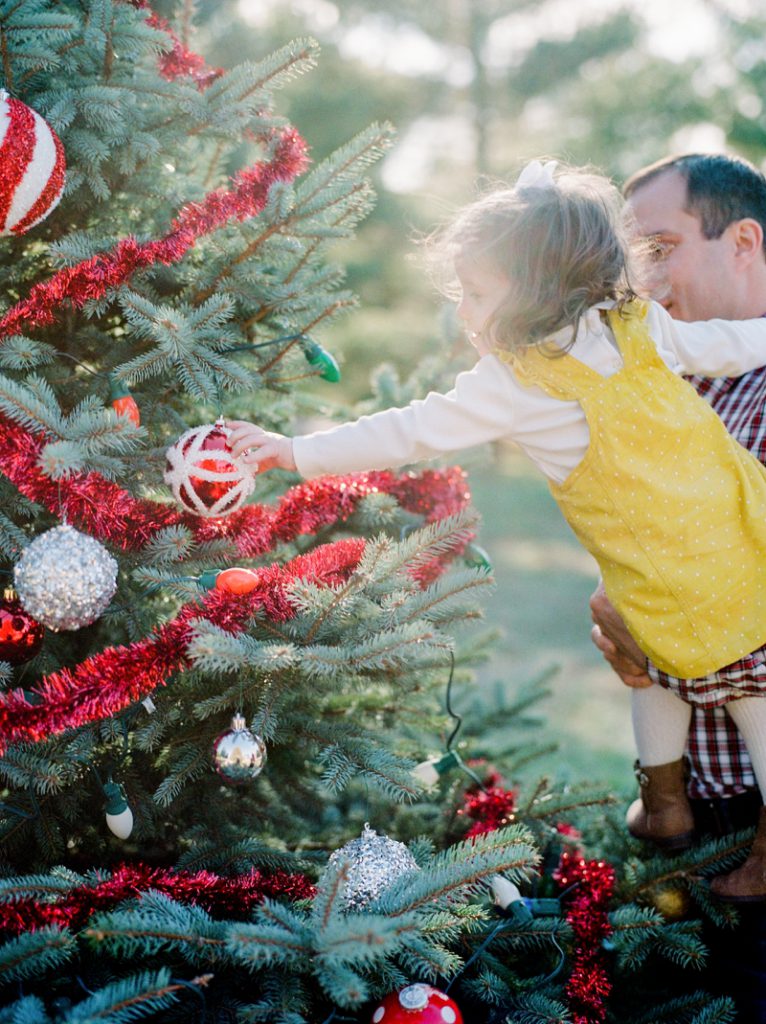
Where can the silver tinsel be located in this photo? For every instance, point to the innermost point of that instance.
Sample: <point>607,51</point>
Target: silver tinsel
<point>373,862</point>
<point>239,755</point>
<point>65,579</point>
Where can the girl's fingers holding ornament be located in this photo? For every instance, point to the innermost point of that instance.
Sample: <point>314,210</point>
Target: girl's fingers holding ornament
<point>244,437</point>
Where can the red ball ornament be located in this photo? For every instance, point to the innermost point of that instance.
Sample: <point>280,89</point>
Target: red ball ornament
<point>204,476</point>
<point>32,167</point>
<point>21,636</point>
<point>417,1004</point>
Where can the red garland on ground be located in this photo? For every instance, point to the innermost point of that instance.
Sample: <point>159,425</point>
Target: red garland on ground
<point>93,278</point>
<point>112,515</point>
<point>587,911</point>
<point>114,678</point>
<point>219,896</point>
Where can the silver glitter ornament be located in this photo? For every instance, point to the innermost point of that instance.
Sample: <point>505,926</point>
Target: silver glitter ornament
<point>373,862</point>
<point>65,579</point>
<point>238,754</point>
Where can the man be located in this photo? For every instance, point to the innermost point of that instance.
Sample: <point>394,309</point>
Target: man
<point>705,217</point>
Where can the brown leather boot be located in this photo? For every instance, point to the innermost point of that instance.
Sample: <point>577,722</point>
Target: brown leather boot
<point>662,813</point>
<point>746,884</point>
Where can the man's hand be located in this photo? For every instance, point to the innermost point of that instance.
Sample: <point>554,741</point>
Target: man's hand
<point>260,449</point>
<point>611,636</point>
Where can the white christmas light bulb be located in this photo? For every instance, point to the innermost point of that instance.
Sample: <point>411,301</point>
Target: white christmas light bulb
<point>505,892</point>
<point>426,773</point>
<point>510,901</point>
<point>121,824</point>
<point>429,772</point>
<point>119,816</point>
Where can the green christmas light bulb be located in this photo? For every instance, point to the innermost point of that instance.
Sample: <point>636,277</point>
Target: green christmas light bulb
<point>321,359</point>
<point>477,557</point>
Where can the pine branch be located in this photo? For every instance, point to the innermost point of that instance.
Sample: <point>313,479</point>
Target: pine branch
<point>461,868</point>
<point>128,999</point>
<point>159,926</point>
<point>35,953</point>
<point>27,1010</point>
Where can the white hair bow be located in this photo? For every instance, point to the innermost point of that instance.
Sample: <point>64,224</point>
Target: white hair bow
<point>537,175</point>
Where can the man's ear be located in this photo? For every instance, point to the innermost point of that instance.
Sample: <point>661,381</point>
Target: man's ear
<point>748,240</point>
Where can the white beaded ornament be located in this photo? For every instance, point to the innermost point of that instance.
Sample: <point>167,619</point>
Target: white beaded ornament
<point>32,167</point>
<point>372,863</point>
<point>65,579</point>
<point>204,476</point>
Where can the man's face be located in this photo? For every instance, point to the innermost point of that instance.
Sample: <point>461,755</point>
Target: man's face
<point>693,276</point>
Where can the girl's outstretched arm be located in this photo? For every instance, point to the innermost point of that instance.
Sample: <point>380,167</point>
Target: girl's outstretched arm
<point>260,449</point>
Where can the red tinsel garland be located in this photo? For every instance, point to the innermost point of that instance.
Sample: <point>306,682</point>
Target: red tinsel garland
<point>114,678</point>
<point>491,808</point>
<point>219,896</point>
<point>93,278</point>
<point>587,911</point>
<point>111,514</point>
<point>179,62</point>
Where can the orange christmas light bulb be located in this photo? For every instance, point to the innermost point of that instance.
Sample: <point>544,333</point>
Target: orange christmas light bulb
<point>123,403</point>
<point>236,580</point>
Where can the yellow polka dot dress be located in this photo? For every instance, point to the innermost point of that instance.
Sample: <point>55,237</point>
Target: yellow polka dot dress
<point>670,505</point>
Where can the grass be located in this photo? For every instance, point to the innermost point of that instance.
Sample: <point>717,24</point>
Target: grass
<point>544,579</point>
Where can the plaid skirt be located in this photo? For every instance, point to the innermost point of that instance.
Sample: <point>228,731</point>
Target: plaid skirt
<point>743,678</point>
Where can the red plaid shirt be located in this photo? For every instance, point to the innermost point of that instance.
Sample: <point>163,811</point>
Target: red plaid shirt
<point>719,760</point>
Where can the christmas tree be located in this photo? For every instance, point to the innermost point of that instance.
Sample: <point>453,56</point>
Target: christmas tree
<point>211,692</point>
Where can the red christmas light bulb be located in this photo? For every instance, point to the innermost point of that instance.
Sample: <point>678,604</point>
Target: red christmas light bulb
<point>123,403</point>
<point>127,406</point>
<point>417,1004</point>
<point>236,580</point>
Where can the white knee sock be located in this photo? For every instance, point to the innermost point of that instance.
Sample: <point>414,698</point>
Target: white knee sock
<point>660,724</point>
<point>749,716</point>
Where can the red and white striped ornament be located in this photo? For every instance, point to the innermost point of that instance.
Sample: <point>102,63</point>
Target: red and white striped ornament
<point>32,167</point>
<point>206,479</point>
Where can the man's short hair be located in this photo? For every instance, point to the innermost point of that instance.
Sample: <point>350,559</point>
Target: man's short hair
<point>720,189</point>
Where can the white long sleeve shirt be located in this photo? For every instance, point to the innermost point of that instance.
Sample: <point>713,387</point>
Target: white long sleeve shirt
<point>488,403</point>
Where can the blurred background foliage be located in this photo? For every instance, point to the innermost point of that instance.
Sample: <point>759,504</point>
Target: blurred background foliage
<point>475,88</point>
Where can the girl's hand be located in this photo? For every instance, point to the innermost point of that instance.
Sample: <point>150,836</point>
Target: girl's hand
<point>260,449</point>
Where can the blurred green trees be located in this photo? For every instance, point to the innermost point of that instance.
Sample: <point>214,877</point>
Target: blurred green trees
<point>474,88</point>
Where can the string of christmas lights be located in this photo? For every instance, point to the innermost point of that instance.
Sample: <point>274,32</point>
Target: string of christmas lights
<point>220,896</point>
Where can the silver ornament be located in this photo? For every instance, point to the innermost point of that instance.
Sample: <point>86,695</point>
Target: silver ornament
<point>238,754</point>
<point>415,997</point>
<point>65,579</point>
<point>372,863</point>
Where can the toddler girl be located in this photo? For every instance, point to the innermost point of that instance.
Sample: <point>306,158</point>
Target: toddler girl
<point>584,378</point>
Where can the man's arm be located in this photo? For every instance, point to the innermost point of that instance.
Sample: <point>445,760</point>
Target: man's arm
<point>612,638</point>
